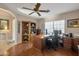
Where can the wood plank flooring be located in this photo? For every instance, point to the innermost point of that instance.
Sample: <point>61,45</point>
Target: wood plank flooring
<point>59,52</point>
<point>24,49</point>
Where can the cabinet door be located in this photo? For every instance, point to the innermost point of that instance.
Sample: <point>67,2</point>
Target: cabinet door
<point>25,31</point>
<point>76,42</point>
<point>67,43</point>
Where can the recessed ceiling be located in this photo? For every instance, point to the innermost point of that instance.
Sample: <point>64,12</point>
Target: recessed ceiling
<point>55,8</point>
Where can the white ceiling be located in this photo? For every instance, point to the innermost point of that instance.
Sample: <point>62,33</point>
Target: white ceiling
<point>55,8</point>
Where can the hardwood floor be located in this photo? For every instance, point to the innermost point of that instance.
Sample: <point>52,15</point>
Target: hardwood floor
<point>24,49</point>
<point>60,52</point>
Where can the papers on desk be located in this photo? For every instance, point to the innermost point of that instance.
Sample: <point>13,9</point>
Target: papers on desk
<point>46,35</point>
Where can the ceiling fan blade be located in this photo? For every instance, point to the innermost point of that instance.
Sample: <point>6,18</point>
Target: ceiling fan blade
<point>27,8</point>
<point>44,10</point>
<point>37,6</point>
<point>31,13</point>
<point>38,13</point>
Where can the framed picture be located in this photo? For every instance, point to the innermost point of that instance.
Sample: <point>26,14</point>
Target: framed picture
<point>73,23</point>
<point>4,24</point>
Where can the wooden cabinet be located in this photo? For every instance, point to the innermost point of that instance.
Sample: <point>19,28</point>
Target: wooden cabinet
<point>71,43</point>
<point>78,49</point>
<point>76,45</point>
<point>76,41</point>
<point>67,43</point>
<point>28,28</point>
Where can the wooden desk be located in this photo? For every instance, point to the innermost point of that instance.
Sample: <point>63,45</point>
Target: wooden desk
<point>72,43</point>
<point>76,41</point>
<point>38,42</point>
<point>67,42</point>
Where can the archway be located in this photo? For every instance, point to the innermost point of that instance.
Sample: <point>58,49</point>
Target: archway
<point>7,36</point>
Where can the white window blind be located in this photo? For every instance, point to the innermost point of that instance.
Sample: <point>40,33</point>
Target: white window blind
<point>55,25</point>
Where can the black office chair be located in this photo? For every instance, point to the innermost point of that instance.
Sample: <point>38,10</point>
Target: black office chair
<point>55,42</point>
<point>55,39</point>
<point>52,41</point>
<point>48,42</point>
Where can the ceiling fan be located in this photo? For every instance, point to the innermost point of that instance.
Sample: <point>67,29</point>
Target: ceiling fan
<point>36,9</point>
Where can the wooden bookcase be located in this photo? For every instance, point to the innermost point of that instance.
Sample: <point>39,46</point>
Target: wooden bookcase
<point>28,29</point>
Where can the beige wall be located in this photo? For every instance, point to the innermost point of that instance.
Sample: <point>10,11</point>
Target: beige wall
<point>41,24</point>
<point>66,16</point>
<point>6,35</point>
<point>70,15</point>
<point>13,29</point>
<point>6,15</point>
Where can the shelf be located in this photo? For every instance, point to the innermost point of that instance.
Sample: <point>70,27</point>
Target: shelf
<point>27,29</point>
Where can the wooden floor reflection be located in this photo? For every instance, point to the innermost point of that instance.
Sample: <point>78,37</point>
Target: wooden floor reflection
<point>24,49</point>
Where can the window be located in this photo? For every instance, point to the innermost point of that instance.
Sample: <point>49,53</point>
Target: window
<point>49,27</point>
<point>54,25</point>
